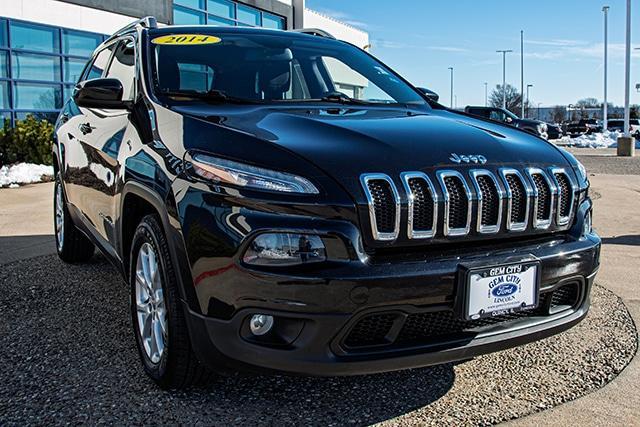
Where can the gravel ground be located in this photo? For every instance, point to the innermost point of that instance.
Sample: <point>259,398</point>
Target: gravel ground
<point>67,356</point>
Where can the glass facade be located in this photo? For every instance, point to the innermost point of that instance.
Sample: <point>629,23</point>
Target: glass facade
<point>39,65</point>
<point>223,12</point>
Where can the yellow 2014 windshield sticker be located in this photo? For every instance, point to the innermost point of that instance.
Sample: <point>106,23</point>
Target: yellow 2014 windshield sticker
<point>186,39</point>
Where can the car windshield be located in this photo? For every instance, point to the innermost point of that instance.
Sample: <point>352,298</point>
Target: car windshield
<point>272,68</point>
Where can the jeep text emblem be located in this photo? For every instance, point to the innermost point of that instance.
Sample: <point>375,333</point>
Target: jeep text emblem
<point>468,158</point>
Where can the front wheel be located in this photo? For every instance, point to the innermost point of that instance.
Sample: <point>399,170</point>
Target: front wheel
<point>71,245</point>
<point>158,319</point>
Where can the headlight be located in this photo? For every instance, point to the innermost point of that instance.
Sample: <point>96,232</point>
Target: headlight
<point>582,171</point>
<point>243,175</point>
<point>285,249</point>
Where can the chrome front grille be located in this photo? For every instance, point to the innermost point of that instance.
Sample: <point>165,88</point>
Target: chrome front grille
<point>453,203</point>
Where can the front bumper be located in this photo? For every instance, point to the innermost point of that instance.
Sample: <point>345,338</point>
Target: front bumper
<point>317,314</point>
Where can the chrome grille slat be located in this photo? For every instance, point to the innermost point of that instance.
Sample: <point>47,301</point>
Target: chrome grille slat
<point>544,195</point>
<point>368,180</point>
<point>422,205</point>
<point>517,216</point>
<point>489,201</point>
<point>454,207</point>
<point>565,196</point>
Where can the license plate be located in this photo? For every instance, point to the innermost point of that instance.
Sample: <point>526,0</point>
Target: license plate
<point>504,289</point>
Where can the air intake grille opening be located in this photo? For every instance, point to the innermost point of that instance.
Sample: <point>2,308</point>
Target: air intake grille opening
<point>566,295</point>
<point>458,202</point>
<point>383,204</point>
<point>372,330</point>
<point>422,205</point>
<point>518,199</point>
<point>490,201</point>
<point>564,191</point>
<point>544,197</point>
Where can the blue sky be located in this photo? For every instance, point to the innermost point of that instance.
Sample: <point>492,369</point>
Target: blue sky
<point>563,44</point>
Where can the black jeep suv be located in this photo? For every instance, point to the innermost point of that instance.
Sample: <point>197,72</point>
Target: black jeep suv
<point>284,201</point>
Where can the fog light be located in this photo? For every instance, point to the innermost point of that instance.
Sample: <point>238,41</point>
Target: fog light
<point>260,324</point>
<point>285,249</point>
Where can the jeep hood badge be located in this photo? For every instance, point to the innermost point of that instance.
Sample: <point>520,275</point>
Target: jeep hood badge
<point>468,158</point>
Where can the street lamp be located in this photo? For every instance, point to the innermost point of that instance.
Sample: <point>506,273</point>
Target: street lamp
<point>451,69</point>
<point>605,113</point>
<point>504,76</point>
<point>528,87</point>
<point>627,75</point>
<point>522,73</point>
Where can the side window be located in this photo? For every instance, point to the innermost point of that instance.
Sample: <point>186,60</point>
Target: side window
<point>97,67</point>
<point>123,67</point>
<point>497,115</point>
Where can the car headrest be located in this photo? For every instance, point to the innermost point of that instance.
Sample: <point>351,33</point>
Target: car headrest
<point>169,75</point>
<point>274,79</point>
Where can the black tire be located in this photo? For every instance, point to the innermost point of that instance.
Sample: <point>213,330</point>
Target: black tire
<point>178,366</point>
<point>72,245</point>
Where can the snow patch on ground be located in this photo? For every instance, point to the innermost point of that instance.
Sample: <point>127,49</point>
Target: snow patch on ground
<point>595,140</point>
<point>24,173</point>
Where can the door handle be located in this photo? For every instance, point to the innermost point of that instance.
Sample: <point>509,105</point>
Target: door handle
<point>85,128</point>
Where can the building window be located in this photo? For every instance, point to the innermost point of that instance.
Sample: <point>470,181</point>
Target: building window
<point>39,65</point>
<point>223,13</point>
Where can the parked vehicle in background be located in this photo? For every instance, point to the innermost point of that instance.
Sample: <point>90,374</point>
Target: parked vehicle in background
<point>265,220</point>
<point>554,131</point>
<point>617,125</point>
<point>535,127</point>
<point>583,127</point>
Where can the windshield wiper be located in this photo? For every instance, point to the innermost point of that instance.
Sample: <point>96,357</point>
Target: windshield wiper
<point>343,99</point>
<point>338,97</point>
<point>212,95</point>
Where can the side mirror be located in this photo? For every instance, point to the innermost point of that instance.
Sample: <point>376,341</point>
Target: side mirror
<point>429,94</point>
<point>100,93</point>
<point>508,120</point>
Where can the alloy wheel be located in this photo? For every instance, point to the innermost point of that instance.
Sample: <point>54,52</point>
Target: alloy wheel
<point>150,305</point>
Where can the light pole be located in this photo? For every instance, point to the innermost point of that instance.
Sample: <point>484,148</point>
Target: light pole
<point>528,87</point>
<point>451,69</point>
<point>486,99</point>
<point>627,75</point>
<point>605,113</point>
<point>522,73</point>
<point>504,76</point>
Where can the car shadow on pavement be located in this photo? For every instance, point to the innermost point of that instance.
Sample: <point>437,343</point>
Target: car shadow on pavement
<point>66,333</point>
<point>629,240</point>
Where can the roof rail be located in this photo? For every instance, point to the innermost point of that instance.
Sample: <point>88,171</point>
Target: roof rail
<point>314,32</point>
<point>146,22</point>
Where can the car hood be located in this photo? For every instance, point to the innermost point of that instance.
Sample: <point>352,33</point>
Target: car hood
<point>346,142</point>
